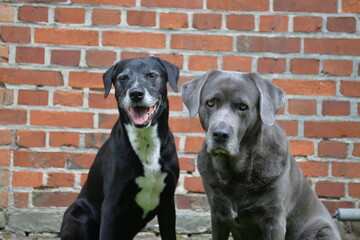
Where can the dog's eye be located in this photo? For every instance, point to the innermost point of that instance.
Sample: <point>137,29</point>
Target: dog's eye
<point>243,107</point>
<point>123,77</point>
<point>210,103</point>
<point>151,75</point>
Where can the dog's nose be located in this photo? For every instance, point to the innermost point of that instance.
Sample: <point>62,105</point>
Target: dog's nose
<point>220,135</point>
<point>136,94</point>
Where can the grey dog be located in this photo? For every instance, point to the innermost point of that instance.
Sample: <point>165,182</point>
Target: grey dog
<point>255,188</point>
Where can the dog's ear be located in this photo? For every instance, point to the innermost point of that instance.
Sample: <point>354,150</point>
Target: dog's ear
<point>271,98</point>
<point>109,75</point>
<point>191,91</point>
<point>172,72</point>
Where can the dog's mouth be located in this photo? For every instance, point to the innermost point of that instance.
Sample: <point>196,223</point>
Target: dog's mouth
<point>142,116</point>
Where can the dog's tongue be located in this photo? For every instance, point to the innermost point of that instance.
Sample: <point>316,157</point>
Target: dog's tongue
<point>139,115</point>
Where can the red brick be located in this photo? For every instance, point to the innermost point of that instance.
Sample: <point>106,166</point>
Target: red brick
<point>5,137</point>
<point>4,177</point>
<point>133,39</point>
<point>268,44</point>
<point>335,108</point>
<point>332,46</point>
<point>60,180</point>
<point>15,34</point>
<point>235,5</point>
<point>190,4</point>
<point>86,80</point>
<point>53,199</point>
<point>341,24</point>
<point>29,55</point>
<point>237,63</point>
<point>326,129</point>
<point>27,179</point>
<point>70,15</point>
<point>351,6</point>
<point>175,103</point>
<point>307,24</point>
<point>187,164</point>
<point>125,3</point>
<point>129,55</point>
<point>338,67</point>
<point>174,20</point>
<point>330,189</point>
<point>271,65</point>
<point>64,139</point>
<point>302,107</point>
<point>13,116</point>
<point>193,144</point>
<point>62,119</point>
<point>174,58</point>
<point>333,205</point>
<point>290,127</point>
<point>65,57</point>
<point>6,96</point>
<point>346,169</point>
<point>350,88</point>
<point>4,198</point>
<point>356,151</point>
<point>206,21</point>
<point>4,54</point>
<point>194,184</point>
<point>105,16</point>
<point>64,36</point>
<point>306,87</point>
<point>332,149</point>
<point>29,138</point>
<point>240,22</point>
<point>354,190</point>
<point>100,58</point>
<point>321,6</point>
<point>314,169</point>
<point>304,66</point>
<point>33,14</point>
<point>202,63</point>
<point>273,23</point>
<point>107,121</point>
<point>25,158</point>
<point>33,77</point>
<point>141,18</point>
<point>80,160</point>
<point>96,100</point>
<point>185,125</point>
<point>7,13</point>
<point>4,157</point>
<point>201,42</point>
<point>33,97</point>
<point>83,178</point>
<point>70,99</point>
<point>21,199</point>
<point>95,140</point>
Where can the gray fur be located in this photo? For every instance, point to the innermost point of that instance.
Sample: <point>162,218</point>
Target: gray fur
<point>254,186</point>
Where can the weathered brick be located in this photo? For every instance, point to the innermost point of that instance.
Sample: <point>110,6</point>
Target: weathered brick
<point>33,97</point>
<point>26,158</point>
<point>27,179</point>
<point>15,34</point>
<point>332,149</point>
<point>202,63</point>
<point>193,144</point>
<point>21,199</point>
<point>194,184</point>
<point>96,100</point>
<point>62,119</point>
<point>129,55</point>
<point>95,140</point>
<point>332,46</point>
<point>4,54</point>
<point>325,129</point>
<point>4,177</point>
<point>346,169</point>
<point>302,107</point>
<point>64,36</point>
<point>68,98</point>
<point>107,121</point>
<point>304,66</point>
<point>175,103</point>
<point>235,5</point>
<point>65,57</point>
<point>314,169</point>
<point>60,179</point>
<point>341,24</point>
<point>174,20</point>
<point>201,42</point>
<point>321,6</point>
<point>350,88</point>
<point>206,21</point>
<point>268,44</point>
<point>53,199</point>
<point>33,77</point>
<point>330,189</point>
<point>134,39</point>
<point>141,18</point>
<point>356,151</point>
<point>274,23</point>
<point>64,139</point>
<point>190,4</point>
<point>4,198</point>
<point>271,65</point>
<point>125,3</point>
<point>338,67</point>
<point>29,138</point>
<point>5,137</point>
<point>306,87</point>
<point>307,24</point>
<point>335,108</point>
<point>354,190</point>
<point>4,157</point>
<point>70,15</point>
<point>86,80</point>
<point>100,58</point>
<point>6,96</point>
<point>33,14</point>
<point>30,55</point>
<point>237,63</point>
<point>290,127</point>
<point>187,164</point>
<point>174,58</point>
<point>350,6</point>
<point>240,22</point>
<point>185,125</point>
<point>105,16</point>
<point>7,13</point>
<point>80,160</point>
<point>13,116</point>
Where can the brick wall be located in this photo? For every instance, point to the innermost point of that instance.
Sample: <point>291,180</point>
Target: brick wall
<point>53,117</point>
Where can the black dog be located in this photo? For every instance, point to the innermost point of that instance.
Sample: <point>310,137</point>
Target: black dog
<point>135,172</point>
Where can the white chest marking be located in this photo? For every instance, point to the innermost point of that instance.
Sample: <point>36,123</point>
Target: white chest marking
<point>146,145</point>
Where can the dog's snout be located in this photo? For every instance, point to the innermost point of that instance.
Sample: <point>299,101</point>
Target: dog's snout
<point>220,135</point>
<point>136,94</point>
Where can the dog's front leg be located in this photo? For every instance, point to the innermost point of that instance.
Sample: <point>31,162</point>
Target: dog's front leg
<point>167,219</point>
<point>275,229</point>
<point>220,230</point>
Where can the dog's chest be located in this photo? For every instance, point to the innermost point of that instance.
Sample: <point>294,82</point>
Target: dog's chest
<point>146,145</point>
